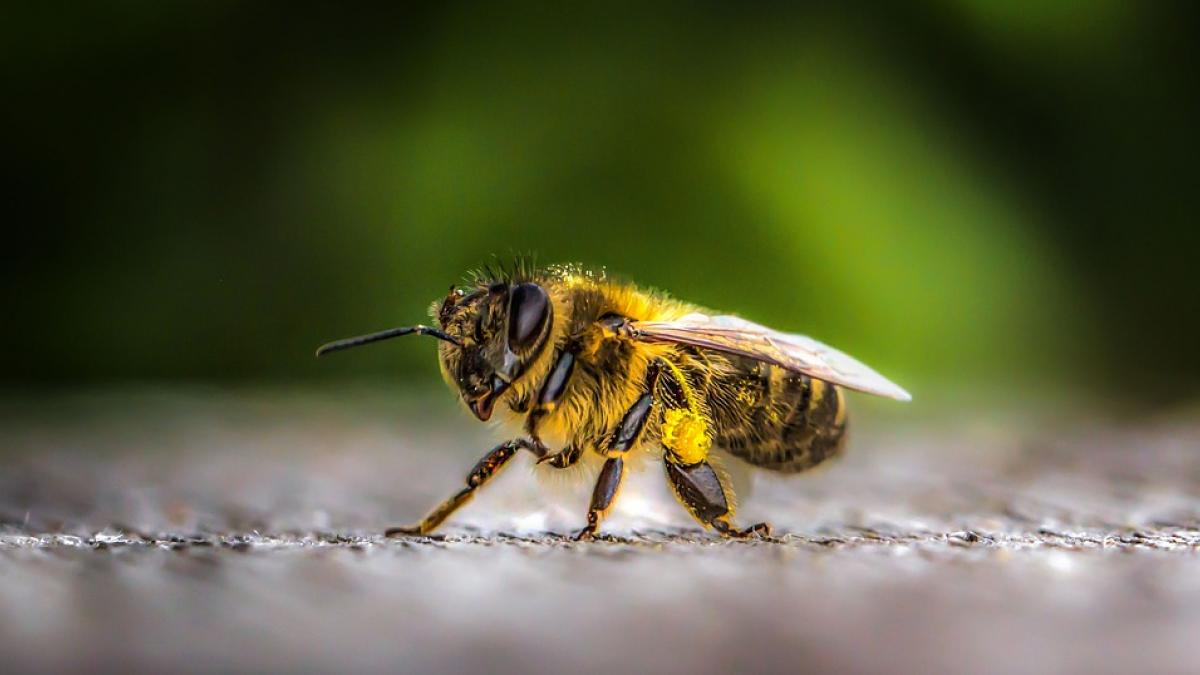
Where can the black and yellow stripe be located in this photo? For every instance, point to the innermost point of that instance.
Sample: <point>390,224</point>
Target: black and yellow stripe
<point>777,419</point>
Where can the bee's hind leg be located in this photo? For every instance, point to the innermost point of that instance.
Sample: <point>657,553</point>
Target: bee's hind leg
<point>686,440</point>
<point>700,489</point>
<point>483,471</point>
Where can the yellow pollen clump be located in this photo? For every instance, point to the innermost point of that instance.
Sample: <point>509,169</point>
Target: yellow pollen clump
<point>686,434</point>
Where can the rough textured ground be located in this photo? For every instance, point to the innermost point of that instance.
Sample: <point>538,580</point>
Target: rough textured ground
<point>201,531</point>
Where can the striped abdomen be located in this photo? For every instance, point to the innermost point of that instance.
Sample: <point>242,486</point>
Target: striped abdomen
<point>774,418</point>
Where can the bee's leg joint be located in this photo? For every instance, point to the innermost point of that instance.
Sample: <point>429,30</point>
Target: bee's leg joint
<point>566,457</point>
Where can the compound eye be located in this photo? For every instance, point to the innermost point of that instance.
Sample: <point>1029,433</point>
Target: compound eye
<point>528,312</point>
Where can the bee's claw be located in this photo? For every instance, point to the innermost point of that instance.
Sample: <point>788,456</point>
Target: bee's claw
<point>757,530</point>
<point>760,530</point>
<point>586,534</point>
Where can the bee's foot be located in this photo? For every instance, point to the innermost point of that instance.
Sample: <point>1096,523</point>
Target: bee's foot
<point>759,530</point>
<point>586,534</point>
<point>410,531</point>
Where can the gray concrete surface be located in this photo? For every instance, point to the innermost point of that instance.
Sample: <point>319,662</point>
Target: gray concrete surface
<point>197,531</point>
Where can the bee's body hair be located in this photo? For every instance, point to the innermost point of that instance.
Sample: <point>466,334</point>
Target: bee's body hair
<point>757,412</point>
<point>555,355</point>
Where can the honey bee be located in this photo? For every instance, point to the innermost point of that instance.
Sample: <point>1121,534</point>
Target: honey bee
<point>586,367</point>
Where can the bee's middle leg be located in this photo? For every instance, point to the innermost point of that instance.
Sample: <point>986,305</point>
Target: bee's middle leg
<point>624,438</point>
<point>551,391</point>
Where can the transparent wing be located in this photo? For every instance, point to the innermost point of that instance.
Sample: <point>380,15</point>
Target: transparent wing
<point>798,353</point>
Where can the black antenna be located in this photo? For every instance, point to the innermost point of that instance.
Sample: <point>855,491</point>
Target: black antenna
<point>339,345</point>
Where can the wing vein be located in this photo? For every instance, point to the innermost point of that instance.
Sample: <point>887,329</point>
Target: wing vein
<point>791,351</point>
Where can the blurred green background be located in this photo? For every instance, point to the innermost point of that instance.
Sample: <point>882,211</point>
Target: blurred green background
<point>963,193</point>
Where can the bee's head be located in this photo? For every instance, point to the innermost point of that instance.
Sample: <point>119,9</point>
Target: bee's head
<point>490,335</point>
<point>496,331</point>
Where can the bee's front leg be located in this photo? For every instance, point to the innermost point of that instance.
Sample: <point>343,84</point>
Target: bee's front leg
<point>483,471</point>
<point>552,389</point>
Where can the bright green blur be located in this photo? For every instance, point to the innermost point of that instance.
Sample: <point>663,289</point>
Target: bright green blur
<point>954,192</point>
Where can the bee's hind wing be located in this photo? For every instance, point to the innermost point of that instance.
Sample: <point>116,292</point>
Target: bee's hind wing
<point>794,352</point>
